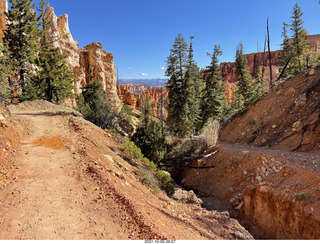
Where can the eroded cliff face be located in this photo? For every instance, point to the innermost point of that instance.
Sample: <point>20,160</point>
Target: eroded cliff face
<point>92,58</point>
<point>3,8</point>
<point>255,61</point>
<point>156,95</point>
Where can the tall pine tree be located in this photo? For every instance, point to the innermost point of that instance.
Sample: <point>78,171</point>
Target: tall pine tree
<point>21,39</point>
<point>296,55</point>
<point>176,68</point>
<point>183,89</point>
<point>54,80</point>
<point>246,92</point>
<point>214,99</point>
<point>191,90</point>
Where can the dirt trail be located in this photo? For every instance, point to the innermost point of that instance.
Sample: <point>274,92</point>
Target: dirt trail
<point>46,201</point>
<point>71,180</point>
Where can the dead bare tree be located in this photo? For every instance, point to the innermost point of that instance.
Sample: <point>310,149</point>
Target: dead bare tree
<point>270,65</point>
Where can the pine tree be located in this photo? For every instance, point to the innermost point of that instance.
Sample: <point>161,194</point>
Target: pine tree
<point>176,69</point>
<point>5,73</point>
<point>246,92</point>
<point>286,54</point>
<point>54,80</point>
<point>259,85</point>
<point>299,43</point>
<point>21,39</point>
<point>92,104</point>
<point>295,50</point>
<point>149,136</point>
<point>191,90</point>
<point>214,99</point>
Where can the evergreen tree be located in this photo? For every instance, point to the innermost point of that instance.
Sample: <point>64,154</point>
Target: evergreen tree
<point>5,73</point>
<point>191,90</point>
<point>259,85</point>
<point>247,89</point>
<point>214,99</point>
<point>92,104</point>
<point>296,55</point>
<point>54,80</point>
<point>286,54</point>
<point>21,39</point>
<point>149,136</point>
<point>299,43</point>
<point>176,69</point>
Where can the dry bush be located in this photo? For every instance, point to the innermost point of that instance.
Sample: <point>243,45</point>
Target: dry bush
<point>210,132</point>
<point>187,147</point>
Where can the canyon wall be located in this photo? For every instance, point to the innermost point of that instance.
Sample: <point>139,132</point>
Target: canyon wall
<point>135,99</point>
<point>90,59</point>
<point>3,8</point>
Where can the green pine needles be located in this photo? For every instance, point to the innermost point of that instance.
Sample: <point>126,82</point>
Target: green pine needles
<point>184,87</point>
<point>248,90</point>
<point>32,69</point>
<point>213,94</point>
<point>149,136</point>
<point>296,54</point>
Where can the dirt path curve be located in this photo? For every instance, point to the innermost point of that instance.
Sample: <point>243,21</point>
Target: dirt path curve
<point>301,159</point>
<point>46,200</point>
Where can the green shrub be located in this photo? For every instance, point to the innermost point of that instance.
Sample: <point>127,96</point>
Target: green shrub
<point>148,178</point>
<point>252,122</point>
<point>166,182</point>
<point>301,197</point>
<point>92,105</point>
<point>126,112</point>
<point>131,150</point>
<point>147,174</point>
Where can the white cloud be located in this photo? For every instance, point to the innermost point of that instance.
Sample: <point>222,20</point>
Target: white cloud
<point>143,74</point>
<point>161,67</point>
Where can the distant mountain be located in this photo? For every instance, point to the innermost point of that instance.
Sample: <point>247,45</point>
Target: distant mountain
<point>150,82</point>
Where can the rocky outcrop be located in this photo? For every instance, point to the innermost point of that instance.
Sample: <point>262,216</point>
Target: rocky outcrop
<point>287,117</point>
<point>156,95</point>
<point>138,88</point>
<point>273,194</point>
<point>3,8</point>
<point>91,59</point>
<point>255,61</point>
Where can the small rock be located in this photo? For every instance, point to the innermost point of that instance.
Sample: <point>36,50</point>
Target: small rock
<point>238,234</point>
<point>301,101</point>
<point>290,91</point>
<point>274,126</point>
<point>259,178</point>
<point>239,206</point>
<point>312,72</point>
<point>297,126</point>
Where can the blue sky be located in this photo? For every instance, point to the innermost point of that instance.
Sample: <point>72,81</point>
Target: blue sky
<point>140,33</point>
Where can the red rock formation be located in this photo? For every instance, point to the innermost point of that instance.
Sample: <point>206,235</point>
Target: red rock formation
<point>128,97</point>
<point>156,94</point>
<point>255,60</point>
<point>82,61</point>
<point>138,88</point>
<point>3,8</point>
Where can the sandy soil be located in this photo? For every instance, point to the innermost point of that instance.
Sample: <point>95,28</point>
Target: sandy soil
<point>71,180</point>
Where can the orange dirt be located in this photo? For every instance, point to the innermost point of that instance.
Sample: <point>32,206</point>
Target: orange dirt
<point>53,142</point>
<point>88,188</point>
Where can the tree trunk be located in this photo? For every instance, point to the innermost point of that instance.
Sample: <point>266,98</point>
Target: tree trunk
<point>270,66</point>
